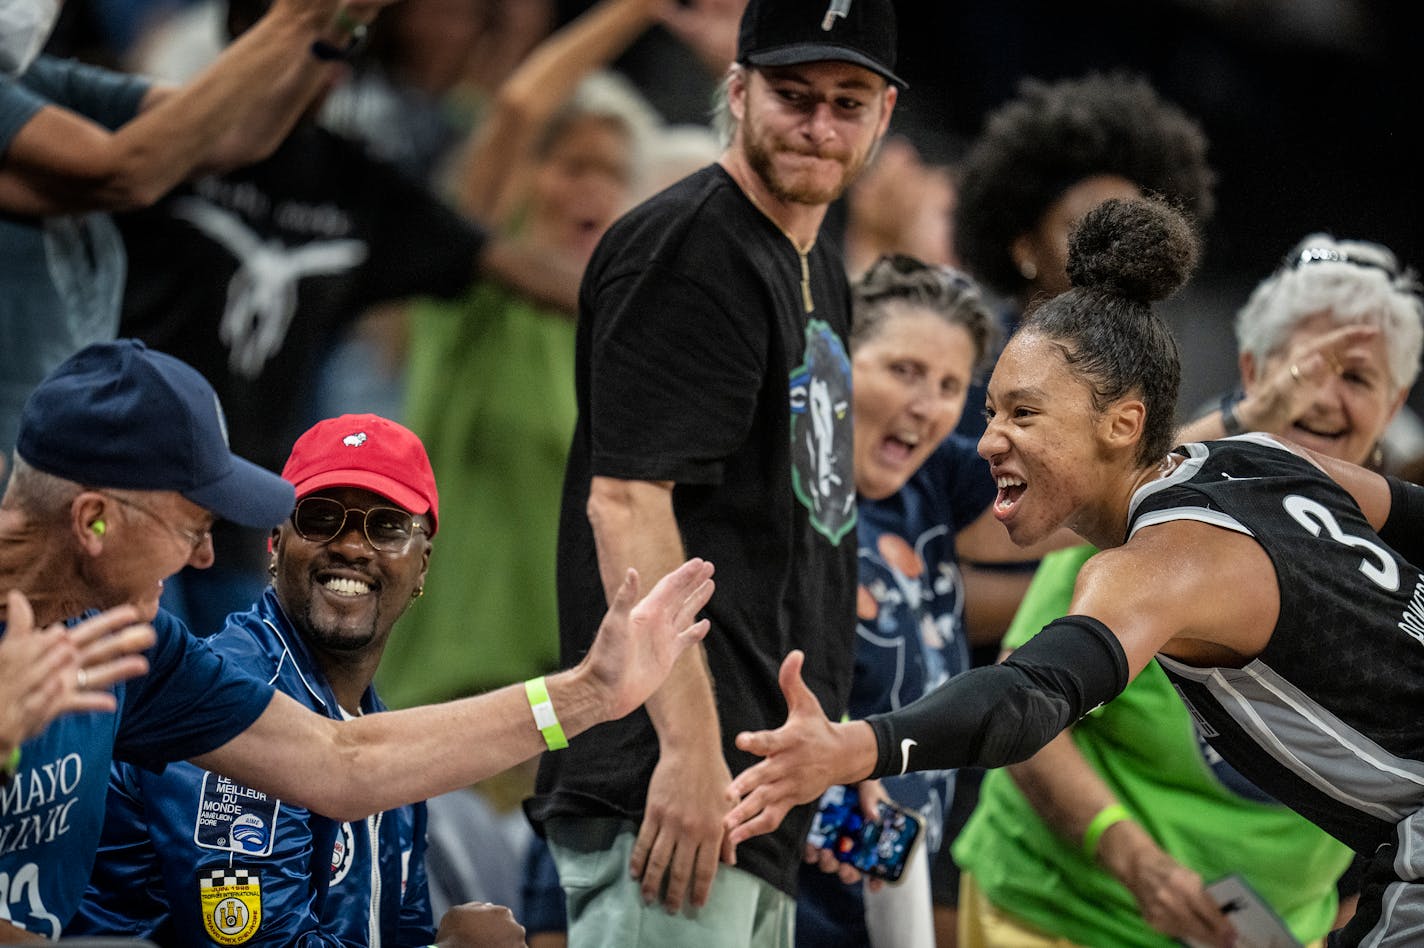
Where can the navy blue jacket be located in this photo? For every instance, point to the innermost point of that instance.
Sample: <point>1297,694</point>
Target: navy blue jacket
<point>189,857</point>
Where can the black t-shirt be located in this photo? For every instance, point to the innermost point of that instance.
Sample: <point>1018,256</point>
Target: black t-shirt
<point>248,276</point>
<point>699,363</point>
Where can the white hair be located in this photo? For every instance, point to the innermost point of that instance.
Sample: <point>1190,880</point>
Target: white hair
<point>1351,281</point>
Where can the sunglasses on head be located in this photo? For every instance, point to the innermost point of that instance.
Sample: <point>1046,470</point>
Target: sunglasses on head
<point>321,520</point>
<point>1330,255</point>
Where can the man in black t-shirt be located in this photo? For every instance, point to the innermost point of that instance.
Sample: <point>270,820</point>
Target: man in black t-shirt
<point>714,419</point>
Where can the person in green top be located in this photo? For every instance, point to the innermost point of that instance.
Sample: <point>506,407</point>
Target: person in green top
<point>491,393</point>
<point>1106,836</point>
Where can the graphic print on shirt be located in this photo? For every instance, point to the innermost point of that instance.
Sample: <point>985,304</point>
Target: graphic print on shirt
<point>231,902</point>
<point>342,854</point>
<point>39,807</point>
<point>907,624</point>
<point>262,295</point>
<point>821,449</point>
<point>235,818</point>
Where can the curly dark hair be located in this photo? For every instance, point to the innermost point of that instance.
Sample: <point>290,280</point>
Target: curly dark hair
<point>1053,135</point>
<point>1122,257</point>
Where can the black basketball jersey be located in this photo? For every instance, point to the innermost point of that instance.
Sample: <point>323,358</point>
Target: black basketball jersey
<point>1328,718</point>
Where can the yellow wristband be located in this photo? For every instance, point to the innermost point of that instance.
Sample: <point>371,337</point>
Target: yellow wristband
<point>11,766</point>
<point>544,717</point>
<point>1107,816</point>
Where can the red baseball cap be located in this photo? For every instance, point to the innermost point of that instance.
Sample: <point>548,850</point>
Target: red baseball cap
<point>369,452</point>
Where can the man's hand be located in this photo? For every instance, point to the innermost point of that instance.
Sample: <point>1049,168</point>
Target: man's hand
<point>804,756</point>
<point>479,925</point>
<point>45,673</point>
<point>637,645</point>
<point>1286,394</point>
<point>708,28</point>
<point>681,838</point>
<point>1169,895</point>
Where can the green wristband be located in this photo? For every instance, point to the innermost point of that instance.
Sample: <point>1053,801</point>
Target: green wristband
<point>1107,816</point>
<point>544,717</point>
<point>11,766</point>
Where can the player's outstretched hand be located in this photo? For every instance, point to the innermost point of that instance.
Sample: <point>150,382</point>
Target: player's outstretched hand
<point>803,757</point>
<point>640,639</point>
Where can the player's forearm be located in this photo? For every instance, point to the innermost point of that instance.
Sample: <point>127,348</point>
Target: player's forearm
<point>1003,714</point>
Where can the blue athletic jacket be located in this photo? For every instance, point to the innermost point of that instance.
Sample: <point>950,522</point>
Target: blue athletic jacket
<point>191,858</point>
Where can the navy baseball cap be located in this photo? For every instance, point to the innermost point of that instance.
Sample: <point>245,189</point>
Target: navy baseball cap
<point>118,414</point>
<point>790,32</point>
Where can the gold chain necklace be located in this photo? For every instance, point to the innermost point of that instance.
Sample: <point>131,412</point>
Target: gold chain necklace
<point>805,265</point>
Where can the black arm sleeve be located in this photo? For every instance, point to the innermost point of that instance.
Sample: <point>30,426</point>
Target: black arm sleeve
<point>1002,714</point>
<point>1403,530</point>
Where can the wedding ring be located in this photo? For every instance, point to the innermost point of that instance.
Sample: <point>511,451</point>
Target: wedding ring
<point>1295,373</point>
<point>81,678</point>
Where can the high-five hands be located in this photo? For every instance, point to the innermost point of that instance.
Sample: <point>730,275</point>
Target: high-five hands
<point>640,639</point>
<point>803,757</point>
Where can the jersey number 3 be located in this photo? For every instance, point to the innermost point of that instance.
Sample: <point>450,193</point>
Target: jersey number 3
<point>1314,517</point>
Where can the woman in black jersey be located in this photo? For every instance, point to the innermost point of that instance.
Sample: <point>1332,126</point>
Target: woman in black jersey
<point>1273,595</point>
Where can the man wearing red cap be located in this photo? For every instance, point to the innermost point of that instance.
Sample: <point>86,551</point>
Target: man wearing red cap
<point>344,568</point>
<point>121,466</point>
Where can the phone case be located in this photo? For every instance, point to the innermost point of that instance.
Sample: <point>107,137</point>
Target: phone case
<point>879,848</point>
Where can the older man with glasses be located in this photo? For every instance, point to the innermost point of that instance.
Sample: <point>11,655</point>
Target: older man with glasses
<point>149,429</point>
<point>345,566</point>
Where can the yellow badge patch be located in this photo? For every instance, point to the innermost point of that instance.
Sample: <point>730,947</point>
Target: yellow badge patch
<point>231,904</point>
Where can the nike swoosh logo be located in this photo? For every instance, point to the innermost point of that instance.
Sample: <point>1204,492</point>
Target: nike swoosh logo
<point>1230,478</point>
<point>905,746</point>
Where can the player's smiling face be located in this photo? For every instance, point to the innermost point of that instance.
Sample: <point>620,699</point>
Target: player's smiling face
<point>1041,441</point>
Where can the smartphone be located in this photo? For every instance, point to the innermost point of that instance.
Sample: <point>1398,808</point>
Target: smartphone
<point>881,847</point>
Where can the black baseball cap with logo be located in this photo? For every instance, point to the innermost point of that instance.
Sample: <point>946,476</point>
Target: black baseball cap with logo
<point>790,32</point>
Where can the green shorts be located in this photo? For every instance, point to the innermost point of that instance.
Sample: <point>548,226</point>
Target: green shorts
<point>605,903</point>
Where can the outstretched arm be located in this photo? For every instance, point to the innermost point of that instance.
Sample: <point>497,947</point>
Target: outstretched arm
<point>235,111</point>
<point>532,94</point>
<point>348,770</point>
<point>986,717</point>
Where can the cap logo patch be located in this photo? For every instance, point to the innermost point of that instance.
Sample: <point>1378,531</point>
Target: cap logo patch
<point>354,440</point>
<point>231,904</point>
<point>837,8</point>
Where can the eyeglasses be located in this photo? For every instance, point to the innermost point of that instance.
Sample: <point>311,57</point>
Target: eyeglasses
<point>321,520</point>
<point>194,538</point>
